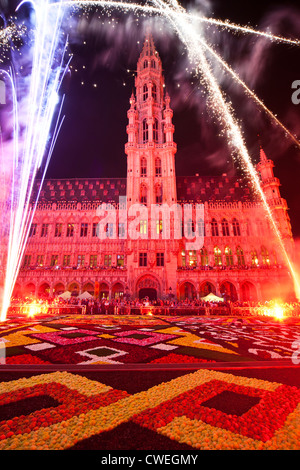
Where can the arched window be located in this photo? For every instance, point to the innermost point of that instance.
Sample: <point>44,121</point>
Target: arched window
<point>240,256</point>
<point>204,257</point>
<point>109,229</point>
<point>201,228</point>
<point>158,194</point>
<point>145,131</point>
<point>159,226</point>
<point>145,92</point>
<point>254,258</point>
<point>153,64</point>
<point>158,167</point>
<point>225,228</point>
<point>228,256</point>
<point>145,64</point>
<point>190,228</point>
<point>265,256</point>
<point>193,258</point>
<point>218,256</point>
<point>143,197</point>
<point>143,227</point>
<point>154,92</point>
<point>214,228</point>
<point>143,166</point>
<point>155,130</point>
<point>236,228</point>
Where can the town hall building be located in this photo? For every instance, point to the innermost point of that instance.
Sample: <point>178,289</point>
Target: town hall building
<point>236,254</point>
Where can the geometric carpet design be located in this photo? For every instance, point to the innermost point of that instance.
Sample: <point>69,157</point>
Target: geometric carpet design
<point>205,409</point>
<point>147,340</point>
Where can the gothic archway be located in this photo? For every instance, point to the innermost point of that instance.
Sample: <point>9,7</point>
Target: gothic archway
<point>117,290</point>
<point>59,288</point>
<point>206,288</point>
<point>103,290</point>
<point>44,290</point>
<point>29,289</point>
<point>17,292</point>
<point>228,291</point>
<point>88,287</point>
<point>248,292</point>
<point>149,292</point>
<point>148,286</point>
<point>187,290</point>
<point>74,288</point>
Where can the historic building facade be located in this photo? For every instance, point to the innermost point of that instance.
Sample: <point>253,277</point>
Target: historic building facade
<point>77,244</point>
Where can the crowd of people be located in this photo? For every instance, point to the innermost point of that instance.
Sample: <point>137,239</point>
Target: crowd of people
<point>170,306</point>
<point>231,267</point>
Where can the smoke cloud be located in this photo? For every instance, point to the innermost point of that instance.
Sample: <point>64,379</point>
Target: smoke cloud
<point>117,40</point>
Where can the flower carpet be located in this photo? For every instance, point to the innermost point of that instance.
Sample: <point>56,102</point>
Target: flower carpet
<point>85,340</point>
<point>81,388</point>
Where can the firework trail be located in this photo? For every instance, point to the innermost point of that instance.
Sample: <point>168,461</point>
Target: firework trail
<point>184,15</point>
<point>249,92</point>
<point>196,46</point>
<point>178,13</point>
<point>28,151</point>
<point>245,30</point>
<point>223,112</point>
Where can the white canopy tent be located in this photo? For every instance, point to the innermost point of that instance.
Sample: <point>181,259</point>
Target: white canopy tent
<point>212,298</point>
<point>85,295</point>
<point>66,295</point>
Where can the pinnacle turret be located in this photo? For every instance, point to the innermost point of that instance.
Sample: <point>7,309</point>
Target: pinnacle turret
<point>150,149</point>
<point>263,156</point>
<point>149,47</point>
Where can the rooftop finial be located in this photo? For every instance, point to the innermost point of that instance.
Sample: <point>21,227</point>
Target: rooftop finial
<point>263,156</point>
<point>149,47</point>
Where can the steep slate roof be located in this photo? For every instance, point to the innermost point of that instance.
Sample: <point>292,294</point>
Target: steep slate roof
<point>189,189</point>
<point>212,188</point>
<point>82,189</point>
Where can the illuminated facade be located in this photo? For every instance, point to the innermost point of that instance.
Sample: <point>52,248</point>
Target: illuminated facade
<point>240,258</point>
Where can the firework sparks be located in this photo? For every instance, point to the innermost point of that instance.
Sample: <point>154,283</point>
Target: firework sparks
<point>250,93</point>
<point>47,71</point>
<point>45,81</point>
<point>222,111</point>
<point>148,9</point>
<point>11,33</point>
<point>246,30</point>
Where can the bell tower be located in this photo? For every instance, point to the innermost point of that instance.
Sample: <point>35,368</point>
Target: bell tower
<point>150,148</point>
<point>271,188</point>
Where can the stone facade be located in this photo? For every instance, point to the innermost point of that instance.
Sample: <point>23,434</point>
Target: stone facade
<point>240,257</point>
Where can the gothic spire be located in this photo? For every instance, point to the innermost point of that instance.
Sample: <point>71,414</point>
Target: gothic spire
<point>149,47</point>
<point>263,156</point>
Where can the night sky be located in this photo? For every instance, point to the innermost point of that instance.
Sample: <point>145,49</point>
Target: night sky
<point>105,52</point>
